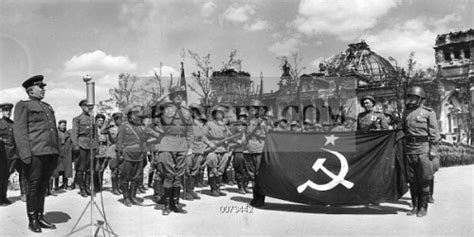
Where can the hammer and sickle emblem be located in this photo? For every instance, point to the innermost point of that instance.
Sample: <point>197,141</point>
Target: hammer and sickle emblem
<point>336,179</point>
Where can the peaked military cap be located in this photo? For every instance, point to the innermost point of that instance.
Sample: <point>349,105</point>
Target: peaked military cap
<point>100,116</point>
<point>83,102</point>
<point>62,121</point>
<point>34,81</point>
<point>117,115</point>
<point>6,106</point>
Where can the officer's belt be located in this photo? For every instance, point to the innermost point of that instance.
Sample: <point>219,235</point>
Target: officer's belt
<point>175,135</point>
<point>417,139</point>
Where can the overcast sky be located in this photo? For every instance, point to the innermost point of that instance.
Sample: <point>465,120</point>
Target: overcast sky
<point>64,40</point>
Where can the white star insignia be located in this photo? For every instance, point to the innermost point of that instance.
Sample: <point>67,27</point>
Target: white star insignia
<point>331,139</point>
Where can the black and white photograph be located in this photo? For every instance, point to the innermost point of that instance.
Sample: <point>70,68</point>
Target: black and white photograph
<point>236,118</point>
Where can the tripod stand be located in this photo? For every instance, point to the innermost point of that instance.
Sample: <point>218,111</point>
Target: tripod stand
<point>92,204</point>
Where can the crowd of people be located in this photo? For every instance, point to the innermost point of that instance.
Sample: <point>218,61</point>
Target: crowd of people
<point>180,144</point>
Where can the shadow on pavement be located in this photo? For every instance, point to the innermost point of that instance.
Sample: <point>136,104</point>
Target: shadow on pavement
<point>57,217</point>
<point>346,210</point>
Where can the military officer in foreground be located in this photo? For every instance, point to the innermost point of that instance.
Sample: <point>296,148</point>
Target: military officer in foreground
<point>422,135</point>
<point>370,119</point>
<point>36,138</point>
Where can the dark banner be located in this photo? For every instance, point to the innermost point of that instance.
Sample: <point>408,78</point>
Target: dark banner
<point>333,168</point>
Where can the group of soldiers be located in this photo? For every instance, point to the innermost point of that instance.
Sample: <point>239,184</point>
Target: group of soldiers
<point>180,142</point>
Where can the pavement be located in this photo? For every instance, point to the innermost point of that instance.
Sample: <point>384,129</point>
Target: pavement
<point>451,215</point>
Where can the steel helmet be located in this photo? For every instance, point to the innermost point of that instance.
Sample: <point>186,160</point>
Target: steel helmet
<point>256,103</point>
<point>416,90</point>
<point>367,97</point>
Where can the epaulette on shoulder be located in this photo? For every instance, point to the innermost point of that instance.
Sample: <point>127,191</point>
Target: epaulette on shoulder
<point>427,108</point>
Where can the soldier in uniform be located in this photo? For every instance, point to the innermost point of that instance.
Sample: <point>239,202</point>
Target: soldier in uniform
<point>295,126</point>
<point>196,160</point>
<point>238,146</point>
<point>218,158</point>
<point>37,142</point>
<point>11,157</point>
<point>176,123</point>
<point>111,130</point>
<point>281,124</point>
<point>422,135</point>
<point>101,161</point>
<point>130,152</point>
<point>81,139</point>
<point>64,138</point>
<point>256,133</point>
<point>370,119</point>
<point>347,126</point>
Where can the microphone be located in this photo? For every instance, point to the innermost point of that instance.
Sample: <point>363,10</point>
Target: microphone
<point>90,88</point>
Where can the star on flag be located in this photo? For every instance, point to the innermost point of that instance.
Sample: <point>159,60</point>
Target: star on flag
<point>331,140</point>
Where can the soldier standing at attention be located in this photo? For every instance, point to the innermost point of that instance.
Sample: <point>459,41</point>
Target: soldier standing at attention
<point>217,159</point>
<point>112,131</point>
<point>370,119</point>
<point>101,161</point>
<point>131,151</point>
<point>422,135</point>
<point>176,123</point>
<point>80,137</point>
<point>256,133</point>
<point>64,152</point>
<point>11,160</point>
<point>37,142</point>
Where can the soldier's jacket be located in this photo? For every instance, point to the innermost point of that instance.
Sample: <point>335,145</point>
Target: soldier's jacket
<point>81,131</point>
<point>35,130</point>
<point>371,120</point>
<point>200,139</point>
<point>131,141</point>
<point>64,137</point>
<point>6,135</point>
<point>103,145</point>
<point>112,133</point>
<point>421,122</point>
<point>238,145</point>
<point>216,132</point>
<point>177,131</point>
<point>256,133</point>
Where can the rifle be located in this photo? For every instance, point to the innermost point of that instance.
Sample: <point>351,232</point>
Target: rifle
<point>210,149</point>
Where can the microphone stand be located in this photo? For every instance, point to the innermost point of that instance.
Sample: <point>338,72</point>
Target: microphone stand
<point>100,224</point>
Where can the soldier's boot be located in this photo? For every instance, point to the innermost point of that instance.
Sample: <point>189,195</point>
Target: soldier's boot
<point>230,177</point>
<point>44,223</point>
<point>126,194</point>
<point>49,189</point>
<point>240,185</point>
<point>150,179</point>
<point>78,179</point>
<point>4,193</point>
<point>187,191</point>
<point>219,180</point>
<point>133,192</point>
<point>96,180</point>
<point>56,184</point>
<point>192,183</point>
<point>158,192</point>
<point>166,209</point>
<point>87,184</point>
<point>115,186</point>
<point>65,183</point>
<point>414,200</point>
<point>213,184</point>
<point>23,185</point>
<point>423,209</point>
<point>246,184</point>
<point>175,207</point>
<point>430,197</point>
<point>33,224</point>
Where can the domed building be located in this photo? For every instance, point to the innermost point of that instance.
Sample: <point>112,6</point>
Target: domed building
<point>330,95</point>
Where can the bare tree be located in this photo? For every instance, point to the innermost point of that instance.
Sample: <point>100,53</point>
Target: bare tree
<point>202,77</point>
<point>124,94</point>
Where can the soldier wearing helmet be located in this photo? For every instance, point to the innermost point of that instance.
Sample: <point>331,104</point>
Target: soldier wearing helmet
<point>176,123</point>
<point>195,162</point>
<point>217,159</point>
<point>256,134</point>
<point>131,152</point>
<point>281,124</point>
<point>370,119</point>
<point>422,134</point>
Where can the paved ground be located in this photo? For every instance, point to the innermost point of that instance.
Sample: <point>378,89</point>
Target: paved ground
<point>451,215</point>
